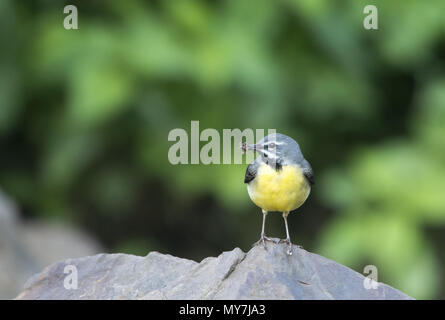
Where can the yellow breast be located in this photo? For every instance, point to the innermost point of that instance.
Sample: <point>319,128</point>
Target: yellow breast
<point>283,190</point>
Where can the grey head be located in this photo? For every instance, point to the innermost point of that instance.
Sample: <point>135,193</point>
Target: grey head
<point>278,150</point>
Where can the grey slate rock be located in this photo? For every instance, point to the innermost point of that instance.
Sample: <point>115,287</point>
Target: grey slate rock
<point>28,246</point>
<point>262,273</point>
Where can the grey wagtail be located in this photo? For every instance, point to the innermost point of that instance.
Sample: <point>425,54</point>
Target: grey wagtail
<point>279,179</point>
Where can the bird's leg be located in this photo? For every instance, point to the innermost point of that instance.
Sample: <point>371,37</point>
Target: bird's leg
<point>263,237</point>
<point>287,240</point>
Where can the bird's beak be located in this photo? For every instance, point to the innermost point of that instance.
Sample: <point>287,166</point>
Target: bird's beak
<point>246,147</point>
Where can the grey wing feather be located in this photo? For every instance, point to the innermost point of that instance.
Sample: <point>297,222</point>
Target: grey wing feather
<point>308,173</point>
<point>251,172</point>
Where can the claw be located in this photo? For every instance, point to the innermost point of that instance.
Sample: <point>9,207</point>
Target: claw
<point>289,243</point>
<point>263,240</point>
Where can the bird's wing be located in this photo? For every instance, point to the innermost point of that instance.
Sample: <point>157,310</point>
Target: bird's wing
<point>308,173</point>
<point>251,172</point>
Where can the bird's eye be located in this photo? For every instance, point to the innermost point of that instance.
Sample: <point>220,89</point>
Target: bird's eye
<point>271,145</point>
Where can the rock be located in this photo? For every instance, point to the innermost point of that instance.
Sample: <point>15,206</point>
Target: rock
<point>26,247</point>
<point>262,273</point>
<point>15,264</point>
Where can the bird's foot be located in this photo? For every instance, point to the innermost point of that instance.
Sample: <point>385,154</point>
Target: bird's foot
<point>289,244</point>
<point>287,241</point>
<point>263,240</point>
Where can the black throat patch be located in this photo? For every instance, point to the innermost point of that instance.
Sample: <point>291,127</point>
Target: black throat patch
<point>277,165</point>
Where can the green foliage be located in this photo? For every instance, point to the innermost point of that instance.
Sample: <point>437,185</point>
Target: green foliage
<point>85,115</point>
<point>390,194</point>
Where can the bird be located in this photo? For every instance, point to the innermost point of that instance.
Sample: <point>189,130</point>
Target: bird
<point>278,180</point>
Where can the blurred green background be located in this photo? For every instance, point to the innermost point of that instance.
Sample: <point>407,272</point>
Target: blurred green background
<point>85,115</point>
